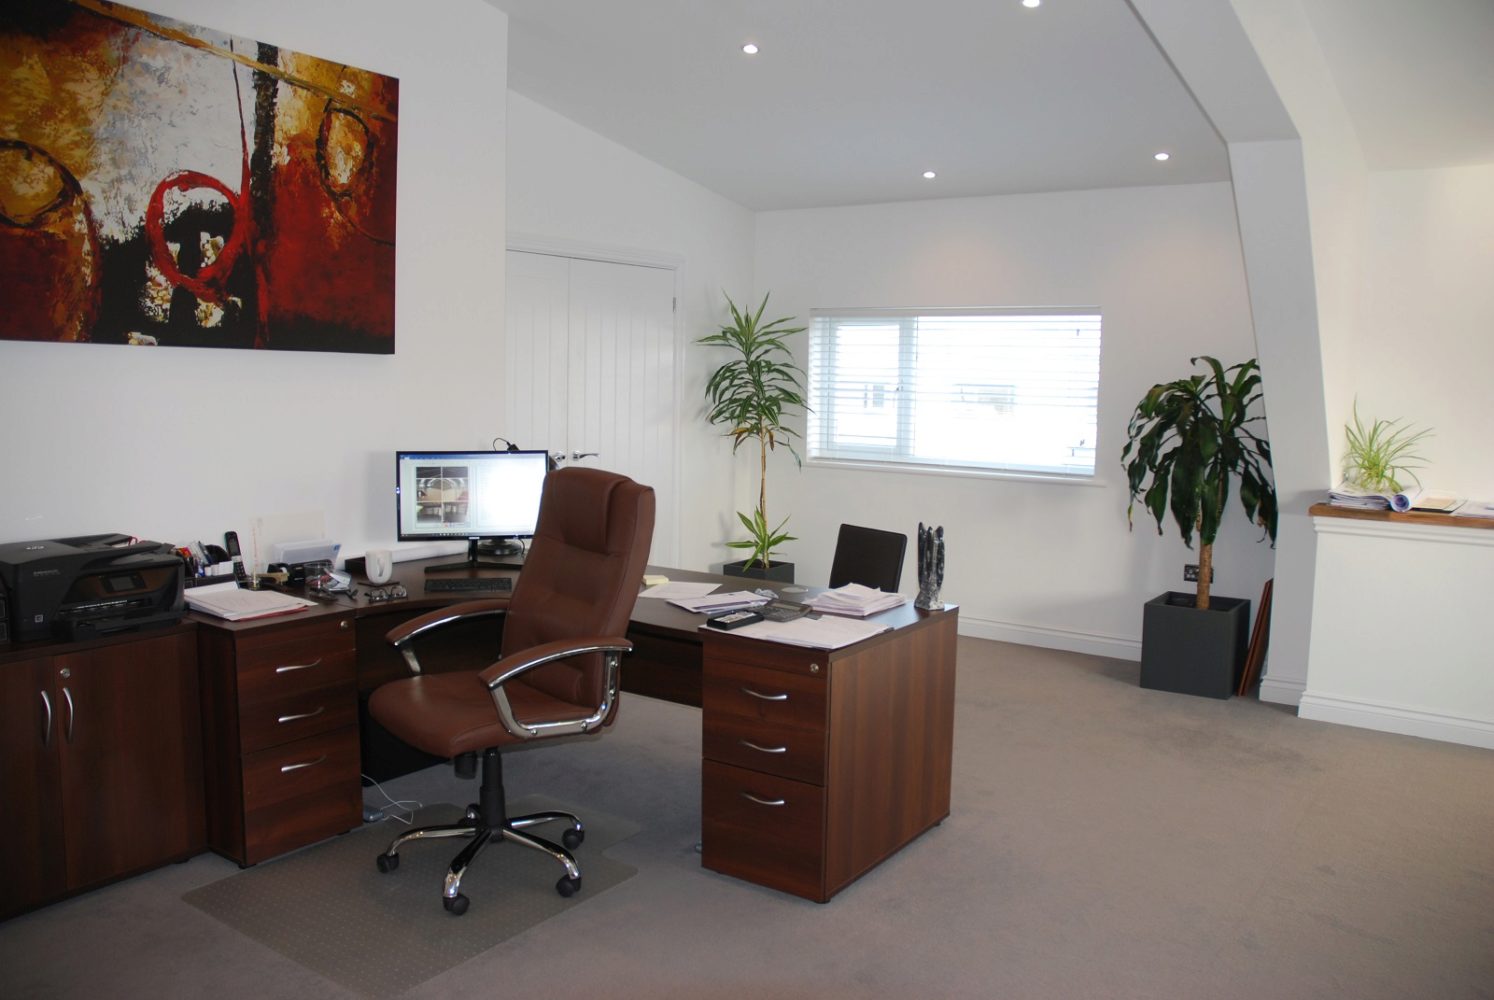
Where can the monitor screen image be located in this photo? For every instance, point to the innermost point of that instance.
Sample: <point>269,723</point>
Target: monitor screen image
<point>468,494</point>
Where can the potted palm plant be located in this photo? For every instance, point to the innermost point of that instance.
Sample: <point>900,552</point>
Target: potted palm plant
<point>750,394</point>
<point>1187,442</point>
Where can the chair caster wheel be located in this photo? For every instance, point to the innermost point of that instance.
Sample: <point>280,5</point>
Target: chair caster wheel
<point>572,838</point>
<point>456,905</point>
<point>387,862</point>
<point>568,886</point>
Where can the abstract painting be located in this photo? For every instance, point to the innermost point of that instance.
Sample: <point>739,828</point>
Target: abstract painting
<point>166,184</point>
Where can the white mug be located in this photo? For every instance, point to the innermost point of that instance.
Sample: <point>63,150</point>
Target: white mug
<point>379,565</point>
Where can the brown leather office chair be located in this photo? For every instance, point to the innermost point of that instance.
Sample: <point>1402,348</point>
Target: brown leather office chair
<point>563,638</point>
<point>868,556</point>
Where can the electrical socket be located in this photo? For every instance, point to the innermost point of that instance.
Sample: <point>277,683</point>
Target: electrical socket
<point>1190,573</point>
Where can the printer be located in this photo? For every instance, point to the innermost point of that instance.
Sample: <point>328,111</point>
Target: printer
<point>92,585</point>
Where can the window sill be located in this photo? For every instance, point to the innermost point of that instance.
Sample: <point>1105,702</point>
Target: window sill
<point>954,471</point>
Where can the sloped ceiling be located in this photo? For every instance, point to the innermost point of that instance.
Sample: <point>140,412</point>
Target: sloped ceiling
<point>850,101</point>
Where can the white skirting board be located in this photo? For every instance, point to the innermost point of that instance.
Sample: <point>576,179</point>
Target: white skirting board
<point>1117,647</point>
<point>1394,719</point>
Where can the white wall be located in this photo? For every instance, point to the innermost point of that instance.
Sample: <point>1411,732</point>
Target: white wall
<point>179,444</point>
<point>1031,561</point>
<point>570,186</point>
<point>1426,346</point>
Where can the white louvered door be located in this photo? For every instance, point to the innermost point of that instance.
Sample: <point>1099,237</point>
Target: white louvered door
<point>591,371</point>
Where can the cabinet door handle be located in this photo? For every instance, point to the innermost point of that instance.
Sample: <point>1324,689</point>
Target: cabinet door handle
<point>304,715</point>
<point>753,746</point>
<point>287,768</point>
<point>67,696</point>
<point>763,802</point>
<point>291,668</point>
<point>764,697</point>
<point>46,726</point>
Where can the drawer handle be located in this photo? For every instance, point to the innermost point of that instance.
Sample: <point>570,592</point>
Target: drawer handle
<point>287,768</point>
<point>765,697</point>
<point>291,668</point>
<point>763,802</point>
<point>753,746</point>
<point>304,715</point>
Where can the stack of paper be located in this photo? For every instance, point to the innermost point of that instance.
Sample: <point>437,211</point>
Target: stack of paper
<point>230,601</point>
<point>854,599</point>
<point>817,633</point>
<point>712,604</point>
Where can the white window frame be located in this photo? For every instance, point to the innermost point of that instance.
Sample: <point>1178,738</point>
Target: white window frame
<point>900,454</point>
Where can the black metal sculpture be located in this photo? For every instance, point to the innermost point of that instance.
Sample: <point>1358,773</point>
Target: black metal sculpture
<point>930,567</point>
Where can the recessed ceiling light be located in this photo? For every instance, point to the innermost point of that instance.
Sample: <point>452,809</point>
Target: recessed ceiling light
<point>750,48</point>
<point>1162,157</point>
<point>929,175</point>
<point>1032,3</point>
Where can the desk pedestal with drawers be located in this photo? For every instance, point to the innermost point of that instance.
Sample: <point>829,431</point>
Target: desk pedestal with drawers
<point>818,765</point>
<point>280,732</point>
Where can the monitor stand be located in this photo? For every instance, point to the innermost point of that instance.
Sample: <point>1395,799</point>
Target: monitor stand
<point>472,562</point>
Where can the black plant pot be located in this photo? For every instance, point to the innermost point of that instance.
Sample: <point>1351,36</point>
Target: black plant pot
<point>778,572</point>
<point>1194,652</point>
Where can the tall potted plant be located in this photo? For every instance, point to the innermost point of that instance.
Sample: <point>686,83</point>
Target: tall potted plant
<point>750,394</point>
<point>1187,441</point>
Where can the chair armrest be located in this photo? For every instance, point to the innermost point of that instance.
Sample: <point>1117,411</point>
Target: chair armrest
<point>516,664</point>
<point>403,635</point>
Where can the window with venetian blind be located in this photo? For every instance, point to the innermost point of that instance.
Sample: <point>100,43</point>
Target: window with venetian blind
<point>993,390</point>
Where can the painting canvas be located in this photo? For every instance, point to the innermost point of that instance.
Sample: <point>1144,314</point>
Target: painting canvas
<point>167,184</point>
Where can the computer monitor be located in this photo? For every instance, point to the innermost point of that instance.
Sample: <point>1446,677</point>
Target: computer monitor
<point>476,495</point>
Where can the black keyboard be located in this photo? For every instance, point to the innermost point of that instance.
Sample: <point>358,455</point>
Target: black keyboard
<point>469,584</point>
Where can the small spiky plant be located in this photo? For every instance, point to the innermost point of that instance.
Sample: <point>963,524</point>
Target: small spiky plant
<point>1380,454</point>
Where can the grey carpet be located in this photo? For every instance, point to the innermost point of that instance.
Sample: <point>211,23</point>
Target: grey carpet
<point>331,910</point>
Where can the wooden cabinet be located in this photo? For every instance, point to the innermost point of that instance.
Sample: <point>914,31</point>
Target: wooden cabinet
<point>821,764</point>
<point>101,756</point>
<point>280,711</point>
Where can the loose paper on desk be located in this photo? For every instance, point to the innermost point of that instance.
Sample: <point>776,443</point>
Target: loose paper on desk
<point>230,601</point>
<point>714,603</point>
<point>819,633</point>
<point>681,588</point>
<point>855,599</point>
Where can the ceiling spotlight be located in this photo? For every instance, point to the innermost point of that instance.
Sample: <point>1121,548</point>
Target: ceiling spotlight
<point>929,175</point>
<point>1162,157</point>
<point>750,48</point>
<point>1032,3</point>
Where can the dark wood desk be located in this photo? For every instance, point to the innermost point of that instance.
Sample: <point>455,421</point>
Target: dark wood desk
<point>838,759</point>
<point>817,765</point>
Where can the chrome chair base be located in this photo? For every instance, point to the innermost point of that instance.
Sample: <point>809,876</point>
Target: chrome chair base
<point>511,828</point>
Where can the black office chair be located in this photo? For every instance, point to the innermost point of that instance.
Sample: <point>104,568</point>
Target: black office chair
<point>868,556</point>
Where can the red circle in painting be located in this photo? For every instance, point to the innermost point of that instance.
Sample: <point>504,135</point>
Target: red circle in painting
<point>207,282</point>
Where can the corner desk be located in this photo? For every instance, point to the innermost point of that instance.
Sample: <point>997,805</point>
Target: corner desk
<point>817,765</point>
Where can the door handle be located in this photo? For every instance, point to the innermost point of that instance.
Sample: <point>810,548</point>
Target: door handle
<point>67,696</point>
<point>577,456</point>
<point>47,726</point>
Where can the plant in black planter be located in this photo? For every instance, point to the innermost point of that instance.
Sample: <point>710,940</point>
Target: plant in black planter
<point>750,394</point>
<point>1187,441</point>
